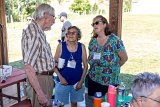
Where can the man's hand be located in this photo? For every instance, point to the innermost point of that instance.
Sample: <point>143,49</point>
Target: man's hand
<point>43,100</point>
<point>35,84</point>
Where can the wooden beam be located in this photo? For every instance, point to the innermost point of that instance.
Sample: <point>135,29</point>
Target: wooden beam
<point>3,35</point>
<point>115,16</point>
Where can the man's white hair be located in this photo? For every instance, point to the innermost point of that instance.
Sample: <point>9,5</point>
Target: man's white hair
<point>41,10</point>
<point>144,84</point>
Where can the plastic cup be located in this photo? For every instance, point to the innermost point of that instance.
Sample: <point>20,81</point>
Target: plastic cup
<point>105,104</point>
<point>61,62</point>
<point>97,102</point>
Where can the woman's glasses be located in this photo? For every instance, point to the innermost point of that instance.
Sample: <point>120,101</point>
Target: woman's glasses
<point>96,23</point>
<point>151,99</point>
<point>71,33</point>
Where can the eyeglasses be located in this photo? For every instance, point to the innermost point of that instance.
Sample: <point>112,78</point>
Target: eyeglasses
<point>96,23</point>
<point>151,99</point>
<point>71,33</point>
<point>53,16</point>
<point>29,19</point>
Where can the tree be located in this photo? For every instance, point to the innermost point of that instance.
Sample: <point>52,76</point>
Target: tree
<point>81,6</point>
<point>20,9</point>
<point>95,8</point>
<point>127,5</point>
<point>60,1</point>
<point>8,11</point>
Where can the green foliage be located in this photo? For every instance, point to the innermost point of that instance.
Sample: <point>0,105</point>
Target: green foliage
<point>20,9</point>
<point>100,1</point>
<point>17,64</point>
<point>15,15</point>
<point>127,5</point>
<point>28,8</point>
<point>95,8</point>
<point>60,1</point>
<point>7,11</point>
<point>81,6</point>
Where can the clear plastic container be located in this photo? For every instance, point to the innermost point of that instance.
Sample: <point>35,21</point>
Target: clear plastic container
<point>121,93</point>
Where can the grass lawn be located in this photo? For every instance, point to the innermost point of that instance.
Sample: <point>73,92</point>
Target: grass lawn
<point>140,34</point>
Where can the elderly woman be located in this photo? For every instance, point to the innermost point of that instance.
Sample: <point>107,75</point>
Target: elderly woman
<point>37,56</point>
<point>69,83</point>
<point>146,90</point>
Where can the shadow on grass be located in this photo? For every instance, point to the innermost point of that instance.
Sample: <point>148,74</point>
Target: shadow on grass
<point>127,79</point>
<point>17,64</point>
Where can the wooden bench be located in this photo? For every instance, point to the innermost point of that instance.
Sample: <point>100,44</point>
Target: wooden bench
<point>24,103</point>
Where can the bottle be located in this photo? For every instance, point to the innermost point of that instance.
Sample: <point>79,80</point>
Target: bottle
<point>121,93</point>
<point>97,99</point>
<point>104,98</point>
<point>112,95</point>
<point>21,90</point>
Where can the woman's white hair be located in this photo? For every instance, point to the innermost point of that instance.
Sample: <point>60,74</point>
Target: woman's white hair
<point>144,84</point>
<point>41,10</point>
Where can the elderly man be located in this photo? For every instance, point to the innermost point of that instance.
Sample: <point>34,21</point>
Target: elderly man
<point>37,56</point>
<point>146,90</point>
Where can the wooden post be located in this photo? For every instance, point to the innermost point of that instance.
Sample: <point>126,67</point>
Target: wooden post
<point>115,16</point>
<point>3,35</point>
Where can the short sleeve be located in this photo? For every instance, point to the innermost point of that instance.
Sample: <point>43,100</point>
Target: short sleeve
<point>30,45</point>
<point>119,45</point>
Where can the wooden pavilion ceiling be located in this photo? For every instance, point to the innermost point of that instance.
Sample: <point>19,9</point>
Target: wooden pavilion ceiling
<point>115,21</point>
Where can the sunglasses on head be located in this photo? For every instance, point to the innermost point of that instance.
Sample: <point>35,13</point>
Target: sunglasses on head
<point>96,23</point>
<point>71,33</point>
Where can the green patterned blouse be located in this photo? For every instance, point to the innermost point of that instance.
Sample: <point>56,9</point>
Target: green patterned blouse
<point>105,70</point>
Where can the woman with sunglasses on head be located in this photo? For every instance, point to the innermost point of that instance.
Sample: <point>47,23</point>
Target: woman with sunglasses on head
<point>69,83</point>
<point>106,55</point>
<point>146,90</point>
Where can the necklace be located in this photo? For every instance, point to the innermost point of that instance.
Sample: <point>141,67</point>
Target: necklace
<point>72,47</point>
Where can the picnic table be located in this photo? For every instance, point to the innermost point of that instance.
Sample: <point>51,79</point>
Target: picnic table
<point>17,76</point>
